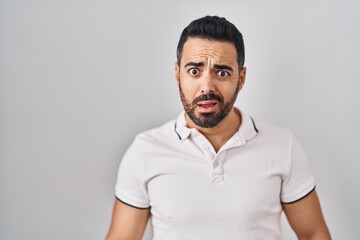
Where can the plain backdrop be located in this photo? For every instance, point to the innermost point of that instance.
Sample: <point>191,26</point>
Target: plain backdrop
<point>79,79</point>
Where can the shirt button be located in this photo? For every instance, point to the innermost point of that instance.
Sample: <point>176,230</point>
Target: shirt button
<point>216,164</point>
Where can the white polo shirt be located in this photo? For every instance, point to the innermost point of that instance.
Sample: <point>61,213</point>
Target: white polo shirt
<point>195,193</point>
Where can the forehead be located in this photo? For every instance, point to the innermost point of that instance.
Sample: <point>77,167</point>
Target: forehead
<point>198,49</point>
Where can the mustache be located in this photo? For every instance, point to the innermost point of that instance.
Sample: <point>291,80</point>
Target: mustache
<point>207,97</point>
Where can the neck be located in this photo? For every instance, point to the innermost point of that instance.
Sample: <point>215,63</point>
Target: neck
<point>222,132</point>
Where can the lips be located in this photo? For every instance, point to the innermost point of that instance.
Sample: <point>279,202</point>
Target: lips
<point>207,105</point>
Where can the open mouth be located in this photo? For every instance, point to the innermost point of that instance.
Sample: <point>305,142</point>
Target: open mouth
<point>207,105</point>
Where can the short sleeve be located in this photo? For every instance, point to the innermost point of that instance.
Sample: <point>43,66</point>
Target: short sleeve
<point>130,186</point>
<point>299,181</point>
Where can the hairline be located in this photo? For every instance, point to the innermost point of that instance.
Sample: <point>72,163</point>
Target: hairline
<point>211,39</point>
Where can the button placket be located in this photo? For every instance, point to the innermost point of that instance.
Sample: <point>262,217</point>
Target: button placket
<point>216,178</point>
<point>204,145</point>
<point>217,171</point>
<point>215,159</point>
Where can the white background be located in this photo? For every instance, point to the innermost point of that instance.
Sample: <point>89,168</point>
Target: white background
<point>78,80</point>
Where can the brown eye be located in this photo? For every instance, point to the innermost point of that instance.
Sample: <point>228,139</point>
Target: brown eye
<point>194,71</point>
<point>222,73</point>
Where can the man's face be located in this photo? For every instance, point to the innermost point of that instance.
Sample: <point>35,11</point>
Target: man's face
<point>209,80</point>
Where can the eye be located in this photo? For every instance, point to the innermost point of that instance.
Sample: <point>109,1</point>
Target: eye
<point>194,71</point>
<point>222,73</point>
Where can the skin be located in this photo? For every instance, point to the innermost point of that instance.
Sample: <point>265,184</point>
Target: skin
<point>304,216</point>
<point>196,80</point>
<point>306,219</point>
<point>127,223</point>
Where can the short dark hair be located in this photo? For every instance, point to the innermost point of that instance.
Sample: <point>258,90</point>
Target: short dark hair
<point>213,28</point>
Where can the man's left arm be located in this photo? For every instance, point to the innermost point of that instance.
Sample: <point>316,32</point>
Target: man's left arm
<point>306,219</point>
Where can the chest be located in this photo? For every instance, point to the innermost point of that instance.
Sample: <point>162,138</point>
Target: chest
<point>235,186</point>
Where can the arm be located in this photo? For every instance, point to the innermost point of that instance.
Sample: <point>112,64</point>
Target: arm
<point>127,222</point>
<point>306,219</point>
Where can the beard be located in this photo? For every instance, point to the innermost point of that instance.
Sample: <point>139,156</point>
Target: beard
<point>211,119</point>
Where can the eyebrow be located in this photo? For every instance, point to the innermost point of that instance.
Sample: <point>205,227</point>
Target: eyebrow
<point>216,66</point>
<point>221,66</point>
<point>195,64</point>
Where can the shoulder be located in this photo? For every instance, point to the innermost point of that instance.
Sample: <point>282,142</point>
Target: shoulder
<point>150,141</point>
<point>159,135</point>
<point>268,130</point>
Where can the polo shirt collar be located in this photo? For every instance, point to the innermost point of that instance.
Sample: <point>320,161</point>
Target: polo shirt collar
<point>181,128</point>
<point>246,132</point>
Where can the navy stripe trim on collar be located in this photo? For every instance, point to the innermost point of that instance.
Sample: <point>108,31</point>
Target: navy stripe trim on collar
<point>254,125</point>
<point>177,132</point>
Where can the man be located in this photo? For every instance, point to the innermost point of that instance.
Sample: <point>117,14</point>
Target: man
<point>214,172</point>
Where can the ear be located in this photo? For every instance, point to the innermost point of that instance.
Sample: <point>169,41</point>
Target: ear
<point>177,73</point>
<point>242,77</point>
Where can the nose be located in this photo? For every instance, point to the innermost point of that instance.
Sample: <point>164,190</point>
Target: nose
<point>207,84</point>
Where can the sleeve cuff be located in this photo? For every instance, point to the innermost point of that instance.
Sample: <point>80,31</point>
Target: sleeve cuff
<point>301,197</point>
<point>131,203</point>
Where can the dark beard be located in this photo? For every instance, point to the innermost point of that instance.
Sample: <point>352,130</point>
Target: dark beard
<point>208,120</point>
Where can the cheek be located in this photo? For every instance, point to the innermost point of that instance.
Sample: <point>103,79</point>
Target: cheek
<point>229,92</point>
<point>188,89</point>
<point>189,95</point>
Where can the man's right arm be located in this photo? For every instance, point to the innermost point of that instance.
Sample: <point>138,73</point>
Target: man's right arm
<point>127,222</point>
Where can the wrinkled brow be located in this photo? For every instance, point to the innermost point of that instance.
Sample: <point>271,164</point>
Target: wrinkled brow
<point>195,64</point>
<point>216,66</point>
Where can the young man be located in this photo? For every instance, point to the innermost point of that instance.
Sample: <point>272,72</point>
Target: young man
<point>214,172</point>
